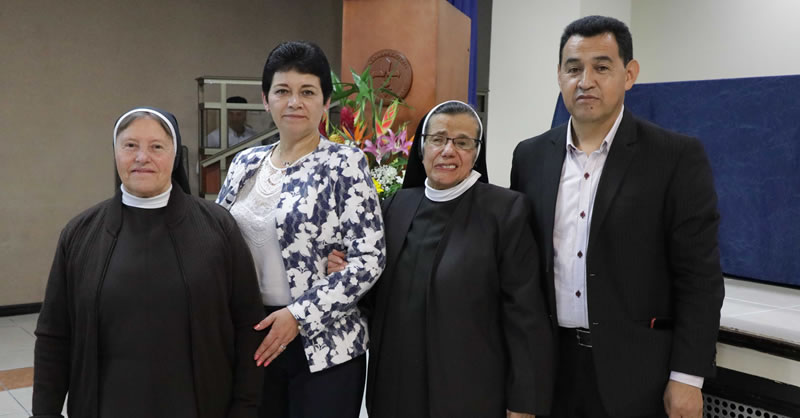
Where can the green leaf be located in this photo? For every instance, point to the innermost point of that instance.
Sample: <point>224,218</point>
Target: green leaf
<point>335,78</point>
<point>399,162</point>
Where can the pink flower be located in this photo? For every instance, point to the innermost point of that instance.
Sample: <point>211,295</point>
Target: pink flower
<point>388,144</point>
<point>401,144</point>
<point>383,145</point>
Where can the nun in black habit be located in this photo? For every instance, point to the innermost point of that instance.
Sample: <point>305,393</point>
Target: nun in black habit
<point>458,322</point>
<point>152,296</point>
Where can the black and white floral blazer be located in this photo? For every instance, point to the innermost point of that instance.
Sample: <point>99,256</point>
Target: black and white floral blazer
<point>328,201</point>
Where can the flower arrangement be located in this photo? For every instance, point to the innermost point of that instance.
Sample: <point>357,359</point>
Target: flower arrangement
<point>364,124</point>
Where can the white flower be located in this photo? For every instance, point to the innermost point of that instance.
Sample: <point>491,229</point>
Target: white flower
<point>384,174</point>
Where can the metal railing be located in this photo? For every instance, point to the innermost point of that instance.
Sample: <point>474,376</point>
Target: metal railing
<point>221,153</point>
<point>210,157</point>
<point>221,157</point>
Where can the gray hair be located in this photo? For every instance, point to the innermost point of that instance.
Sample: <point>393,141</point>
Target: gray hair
<point>127,119</point>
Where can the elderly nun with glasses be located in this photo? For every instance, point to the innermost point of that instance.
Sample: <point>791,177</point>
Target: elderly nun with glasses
<point>457,321</point>
<point>152,296</point>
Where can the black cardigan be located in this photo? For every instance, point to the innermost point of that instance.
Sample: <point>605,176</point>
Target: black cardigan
<point>224,305</point>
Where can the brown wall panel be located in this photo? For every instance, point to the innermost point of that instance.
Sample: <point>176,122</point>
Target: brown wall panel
<point>420,29</point>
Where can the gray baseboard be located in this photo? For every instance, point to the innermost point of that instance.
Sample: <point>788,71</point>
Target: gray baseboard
<point>21,309</point>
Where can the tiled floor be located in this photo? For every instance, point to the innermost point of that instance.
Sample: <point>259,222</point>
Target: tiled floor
<point>749,307</point>
<point>16,365</point>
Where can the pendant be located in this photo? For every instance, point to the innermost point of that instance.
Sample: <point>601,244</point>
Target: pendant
<point>274,179</point>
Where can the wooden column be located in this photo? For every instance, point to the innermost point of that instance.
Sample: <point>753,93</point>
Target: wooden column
<point>432,34</point>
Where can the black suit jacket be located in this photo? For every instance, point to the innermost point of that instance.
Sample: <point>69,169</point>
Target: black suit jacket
<point>489,339</point>
<point>652,253</point>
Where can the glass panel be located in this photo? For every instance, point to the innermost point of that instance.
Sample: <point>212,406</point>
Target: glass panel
<point>210,132</point>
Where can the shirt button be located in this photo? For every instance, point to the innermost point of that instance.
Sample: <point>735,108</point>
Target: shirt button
<point>586,175</point>
<point>583,214</point>
<point>580,254</point>
<point>578,293</point>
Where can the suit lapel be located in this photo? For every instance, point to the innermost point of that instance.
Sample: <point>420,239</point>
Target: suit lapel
<point>623,149</point>
<point>552,165</point>
<point>551,178</point>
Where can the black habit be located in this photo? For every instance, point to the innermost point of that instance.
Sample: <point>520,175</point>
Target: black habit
<point>145,371</point>
<point>405,369</point>
<point>211,274</point>
<point>477,336</point>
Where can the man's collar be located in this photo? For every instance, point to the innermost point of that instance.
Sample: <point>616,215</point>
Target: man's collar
<point>606,141</point>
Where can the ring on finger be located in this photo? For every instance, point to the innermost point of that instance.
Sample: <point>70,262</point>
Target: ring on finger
<point>282,347</point>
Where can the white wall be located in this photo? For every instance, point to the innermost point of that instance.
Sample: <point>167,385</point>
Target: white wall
<point>674,40</point>
<point>522,75</point>
<point>619,9</point>
<point>682,40</point>
<point>523,68</point>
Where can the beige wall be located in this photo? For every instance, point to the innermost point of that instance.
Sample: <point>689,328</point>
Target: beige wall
<point>68,69</point>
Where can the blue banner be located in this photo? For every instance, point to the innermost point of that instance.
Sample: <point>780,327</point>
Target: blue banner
<point>470,8</point>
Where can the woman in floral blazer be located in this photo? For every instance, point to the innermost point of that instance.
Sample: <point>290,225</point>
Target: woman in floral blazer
<point>295,202</point>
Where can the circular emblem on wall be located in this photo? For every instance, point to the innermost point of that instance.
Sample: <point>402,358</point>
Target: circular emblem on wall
<point>386,63</point>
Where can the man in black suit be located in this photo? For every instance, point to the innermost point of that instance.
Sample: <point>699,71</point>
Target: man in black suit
<point>626,216</point>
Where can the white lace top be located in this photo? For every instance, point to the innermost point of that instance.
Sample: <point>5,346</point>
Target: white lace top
<point>254,211</point>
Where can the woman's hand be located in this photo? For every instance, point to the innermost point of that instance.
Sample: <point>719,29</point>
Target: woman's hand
<point>336,261</point>
<point>284,329</point>
<point>510,414</point>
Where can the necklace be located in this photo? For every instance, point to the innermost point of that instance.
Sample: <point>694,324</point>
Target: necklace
<point>280,157</point>
<point>270,178</point>
<point>303,153</point>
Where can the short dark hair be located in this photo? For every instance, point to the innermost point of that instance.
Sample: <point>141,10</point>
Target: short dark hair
<point>301,56</point>
<point>236,99</point>
<point>597,25</point>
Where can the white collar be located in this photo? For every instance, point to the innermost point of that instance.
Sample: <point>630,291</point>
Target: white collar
<point>154,202</point>
<point>449,194</point>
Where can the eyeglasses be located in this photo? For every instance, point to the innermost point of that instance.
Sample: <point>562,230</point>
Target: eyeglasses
<point>439,141</point>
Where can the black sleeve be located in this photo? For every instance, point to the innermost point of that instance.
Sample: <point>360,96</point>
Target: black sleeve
<point>51,355</point>
<point>246,311</point>
<point>514,185</point>
<point>698,287</point>
<point>526,325</point>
